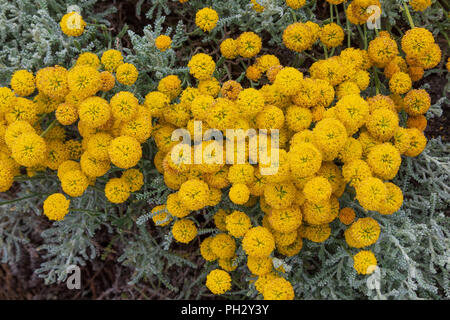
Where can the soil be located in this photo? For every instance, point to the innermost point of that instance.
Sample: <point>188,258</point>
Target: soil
<point>107,279</point>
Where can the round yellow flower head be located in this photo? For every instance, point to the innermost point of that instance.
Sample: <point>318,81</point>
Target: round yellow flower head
<point>352,111</point>
<point>384,160</point>
<point>124,106</point>
<point>278,289</point>
<point>88,59</point>
<point>304,160</point>
<point>400,83</point>
<point>253,73</point>
<point>29,149</point>
<point>23,83</point>
<point>127,74</point>
<point>184,230</point>
<point>362,233</point>
<point>170,86</point>
<point>135,179</point>
<point>364,262</point>
<point>356,171</point>
<point>381,50</point>
<point>259,265</point>
<point>14,130</point>
<point>156,102</point>
<point>249,44</point>
<point>237,223</point>
<point>258,242</point>
<point>94,112</point>
<point>98,144</point>
<point>418,122</point>
<point>239,193</point>
<point>229,48</point>
<point>382,124</point>
<point>416,42</point>
<point>291,250</point>
<point>285,220</point>
<point>417,142</point>
<point>298,118</point>
<point>93,167</point>
<point>84,81</point>
<point>371,193</point>
<point>351,151</point>
<point>206,251</point>
<point>331,35</point>
<point>160,216</point>
<point>218,281</point>
<point>223,246</point>
<point>194,193</point>
<point>288,81</point>
<point>330,136</point>
<point>298,37</point>
<point>210,87</point>
<point>219,220</point>
<point>57,153</point>
<point>74,182</point>
<point>107,81</point>
<point>256,6</point>
<point>249,102</point>
<point>75,149</point>
<point>266,61</point>
<point>176,207</point>
<point>347,215</point>
<point>417,102</point>
<point>72,24</point>
<point>66,114</point>
<point>206,19</point>
<point>117,190</point>
<point>280,195</point>
<point>316,233</point>
<point>317,213</point>
<point>7,98</point>
<point>317,190</point>
<point>163,42</point>
<point>56,206</point>
<point>295,4</point>
<point>125,152</point>
<point>111,60</point>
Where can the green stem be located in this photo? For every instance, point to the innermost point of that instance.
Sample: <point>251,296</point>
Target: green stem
<point>294,16</point>
<point>325,51</point>
<point>408,15</point>
<point>361,34</point>
<point>332,51</point>
<point>338,19</point>
<point>365,36</point>
<point>331,12</point>
<point>52,124</point>
<point>308,55</point>
<point>24,198</point>
<point>348,28</point>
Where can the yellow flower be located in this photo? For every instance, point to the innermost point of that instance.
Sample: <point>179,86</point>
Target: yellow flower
<point>74,182</point>
<point>417,142</point>
<point>237,223</point>
<point>163,42</point>
<point>56,206</point>
<point>253,73</point>
<point>278,289</point>
<point>298,37</point>
<point>23,83</point>
<point>258,242</point>
<point>330,136</point>
<point>371,193</point>
<point>88,59</point>
<point>127,74</point>
<point>98,144</point>
<point>304,160</point>
<point>124,106</point>
<point>382,124</point>
<point>362,233</point>
<point>384,160</point>
<point>107,81</point>
<point>66,114</point>
<point>67,166</point>
<point>75,149</point>
<point>229,48</point>
<point>317,190</point>
<point>206,251</point>
<point>218,281</point>
<point>7,98</point>
<point>184,230</point>
<point>352,111</point>
<point>417,102</point>
<point>271,117</point>
<point>22,109</point>
<point>206,19</point>
<point>259,265</point>
<point>29,149</point>
<point>125,152</point>
<point>256,6</point>
<point>285,220</point>
<point>117,190</point>
<point>72,24</point>
<point>318,213</point>
<point>431,57</point>
<point>249,102</point>
<point>239,193</point>
<point>351,151</point>
<point>249,44</point>
<point>292,249</point>
<point>111,60</point>
<point>416,42</point>
<point>381,50</point>
<point>223,246</point>
<point>364,262</point>
<point>418,122</point>
<point>331,35</point>
<point>209,87</point>
<point>316,233</point>
<point>57,153</point>
<point>280,195</point>
<point>288,81</point>
<point>170,86</point>
<point>400,83</point>
<point>135,179</point>
<point>6,177</point>
<point>194,193</point>
<point>84,81</point>
<point>266,61</point>
<point>53,82</point>
<point>298,118</point>
<point>14,130</point>
<point>295,4</point>
<point>93,167</point>
<point>356,171</point>
<point>347,215</point>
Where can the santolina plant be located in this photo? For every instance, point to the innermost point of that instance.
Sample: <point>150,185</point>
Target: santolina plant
<point>274,153</point>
